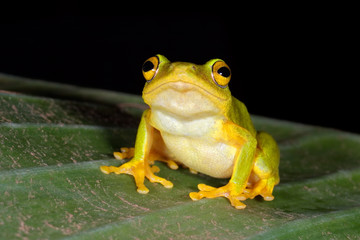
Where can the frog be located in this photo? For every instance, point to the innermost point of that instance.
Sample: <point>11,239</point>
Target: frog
<point>194,121</point>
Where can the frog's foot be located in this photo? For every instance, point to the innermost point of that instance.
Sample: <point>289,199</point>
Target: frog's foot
<point>229,191</point>
<point>139,170</point>
<point>124,153</point>
<point>134,168</point>
<point>263,187</point>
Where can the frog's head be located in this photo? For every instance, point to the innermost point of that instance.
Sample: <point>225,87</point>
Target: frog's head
<point>187,89</point>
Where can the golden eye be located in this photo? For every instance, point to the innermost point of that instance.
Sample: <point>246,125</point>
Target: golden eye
<point>221,73</point>
<point>150,67</point>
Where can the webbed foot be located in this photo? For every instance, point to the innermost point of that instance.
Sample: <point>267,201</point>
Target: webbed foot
<point>139,170</point>
<point>229,191</point>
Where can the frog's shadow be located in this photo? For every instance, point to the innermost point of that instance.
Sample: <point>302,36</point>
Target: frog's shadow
<point>116,125</point>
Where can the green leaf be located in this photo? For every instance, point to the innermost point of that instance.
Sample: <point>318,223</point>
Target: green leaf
<point>54,138</point>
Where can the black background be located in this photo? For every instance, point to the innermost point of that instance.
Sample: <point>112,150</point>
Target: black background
<point>296,65</point>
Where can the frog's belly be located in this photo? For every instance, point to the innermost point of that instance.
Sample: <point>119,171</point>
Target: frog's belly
<point>201,154</point>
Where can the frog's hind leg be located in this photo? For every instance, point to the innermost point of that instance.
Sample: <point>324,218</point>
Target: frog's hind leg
<point>161,153</point>
<point>158,153</point>
<point>265,173</point>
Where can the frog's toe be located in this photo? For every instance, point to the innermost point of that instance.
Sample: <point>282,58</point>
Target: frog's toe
<point>195,196</point>
<point>171,164</point>
<point>109,169</point>
<point>155,179</point>
<point>162,181</point>
<point>105,169</point>
<point>124,153</point>
<point>155,169</point>
<point>203,193</point>
<point>236,203</point>
<point>204,187</point>
<point>142,189</point>
<point>266,193</point>
<point>268,197</point>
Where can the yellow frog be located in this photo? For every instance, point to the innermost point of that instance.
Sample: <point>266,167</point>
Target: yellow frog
<point>194,120</point>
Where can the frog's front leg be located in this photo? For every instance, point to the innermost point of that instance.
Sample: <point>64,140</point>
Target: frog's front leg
<point>246,143</point>
<point>139,166</point>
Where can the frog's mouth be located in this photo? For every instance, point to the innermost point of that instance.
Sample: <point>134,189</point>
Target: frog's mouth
<point>182,86</point>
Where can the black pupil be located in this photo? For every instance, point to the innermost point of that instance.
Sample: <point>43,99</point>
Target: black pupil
<point>224,71</point>
<point>147,66</point>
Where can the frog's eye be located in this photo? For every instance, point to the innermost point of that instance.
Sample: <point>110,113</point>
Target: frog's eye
<point>221,73</point>
<point>150,68</point>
